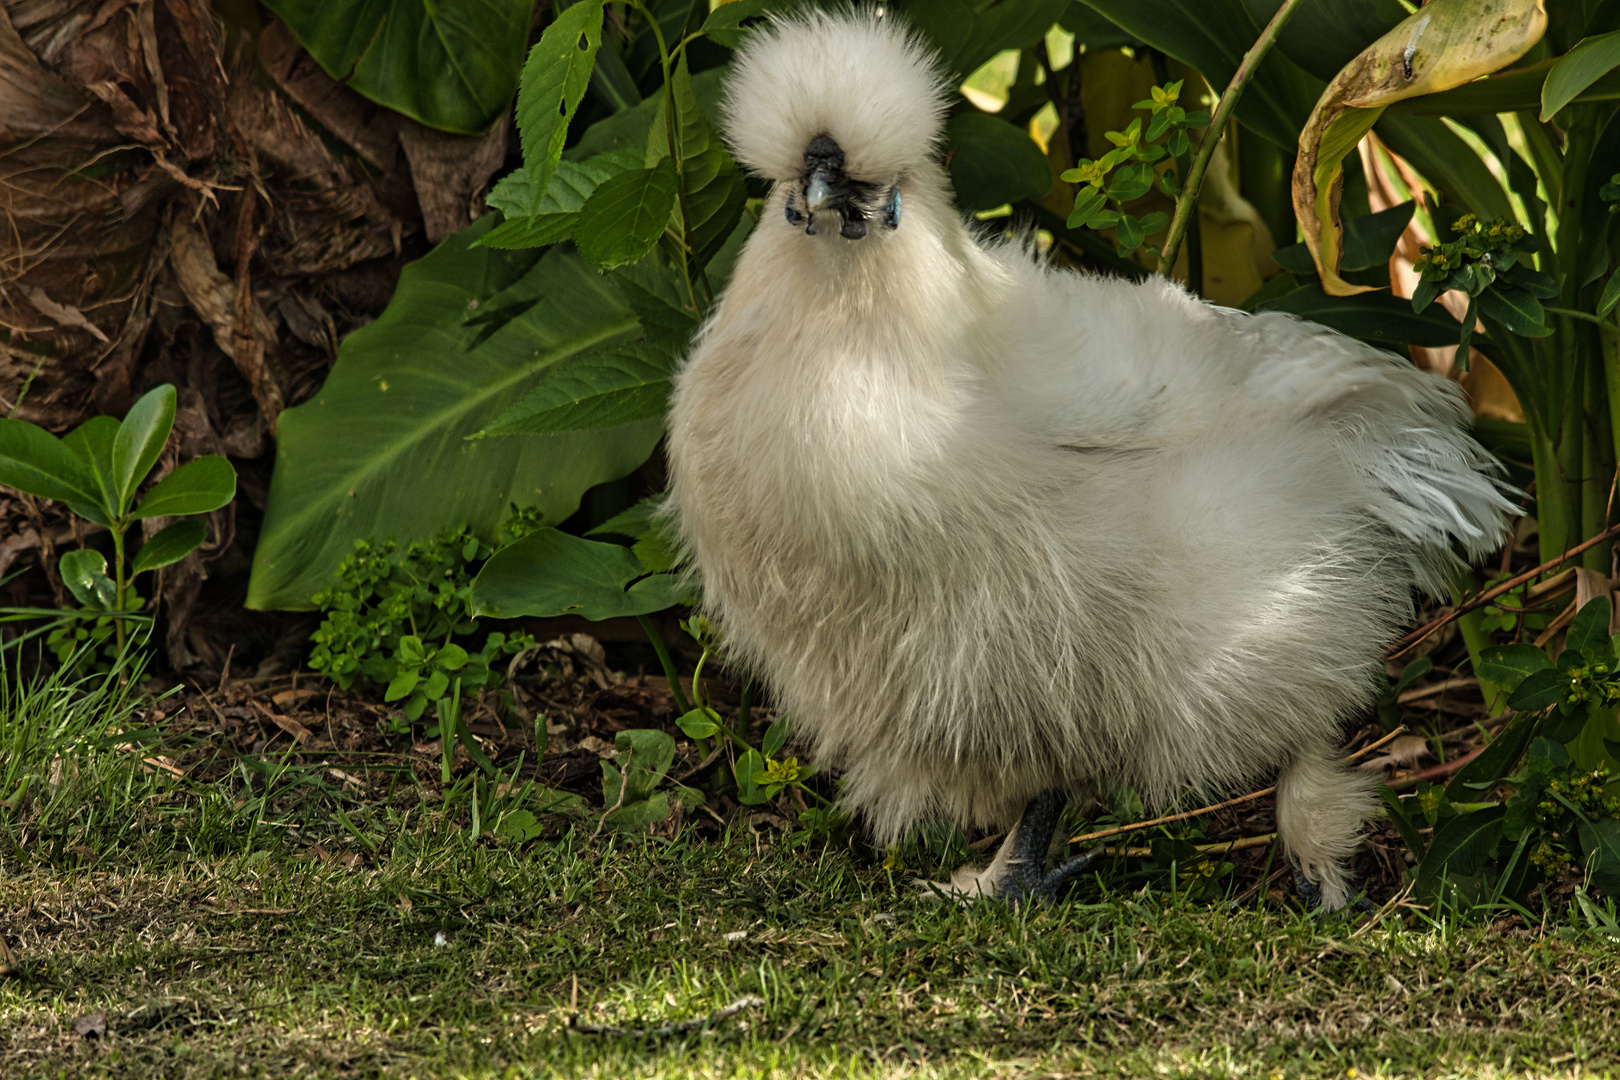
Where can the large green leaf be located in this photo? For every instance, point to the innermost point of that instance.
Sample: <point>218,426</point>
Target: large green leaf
<point>554,80</point>
<point>994,162</point>
<point>1212,36</point>
<point>140,439</point>
<point>34,461</point>
<point>381,451</point>
<point>1371,316</point>
<point>449,65</point>
<point>1578,69</point>
<point>550,573</point>
<point>604,388</point>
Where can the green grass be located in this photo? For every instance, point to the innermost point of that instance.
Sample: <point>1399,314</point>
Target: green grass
<point>215,939</point>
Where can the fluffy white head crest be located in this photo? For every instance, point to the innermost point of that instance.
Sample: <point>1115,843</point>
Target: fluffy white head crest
<point>864,80</point>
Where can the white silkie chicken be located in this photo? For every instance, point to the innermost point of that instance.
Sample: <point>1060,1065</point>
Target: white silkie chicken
<point>997,535</point>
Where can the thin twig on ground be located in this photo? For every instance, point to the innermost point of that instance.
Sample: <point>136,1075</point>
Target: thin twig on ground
<point>1428,628</point>
<point>1103,834</point>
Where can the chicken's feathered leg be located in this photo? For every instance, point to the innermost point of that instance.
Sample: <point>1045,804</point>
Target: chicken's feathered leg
<point>1027,878</point>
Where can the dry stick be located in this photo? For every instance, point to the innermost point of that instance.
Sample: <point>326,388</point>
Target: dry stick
<point>1488,595</point>
<point>1187,204</point>
<point>1262,793</point>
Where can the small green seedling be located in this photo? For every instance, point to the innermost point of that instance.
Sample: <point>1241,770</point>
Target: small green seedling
<point>97,469</point>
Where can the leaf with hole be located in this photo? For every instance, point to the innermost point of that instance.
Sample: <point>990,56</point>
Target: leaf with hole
<point>1431,50</point>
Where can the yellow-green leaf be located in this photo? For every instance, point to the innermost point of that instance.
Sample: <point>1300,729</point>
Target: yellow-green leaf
<point>1445,44</point>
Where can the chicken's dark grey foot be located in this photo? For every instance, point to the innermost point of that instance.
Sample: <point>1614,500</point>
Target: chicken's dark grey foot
<point>1310,892</point>
<point>1027,879</point>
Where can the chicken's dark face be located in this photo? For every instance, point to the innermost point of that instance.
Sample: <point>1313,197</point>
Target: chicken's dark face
<point>827,189</point>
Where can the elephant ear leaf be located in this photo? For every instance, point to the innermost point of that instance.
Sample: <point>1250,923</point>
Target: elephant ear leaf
<point>1437,48</point>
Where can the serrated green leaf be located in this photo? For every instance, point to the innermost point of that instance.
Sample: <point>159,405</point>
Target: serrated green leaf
<point>554,80</point>
<point>170,545</point>
<point>624,217</point>
<point>691,130</point>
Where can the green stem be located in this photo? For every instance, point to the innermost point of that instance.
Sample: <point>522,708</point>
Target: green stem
<point>666,663</point>
<point>118,579</point>
<point>1187,205</point>
<point>1570,313</point>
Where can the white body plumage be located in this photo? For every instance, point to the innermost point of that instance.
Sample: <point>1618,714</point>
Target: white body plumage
<point>987,529</point>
